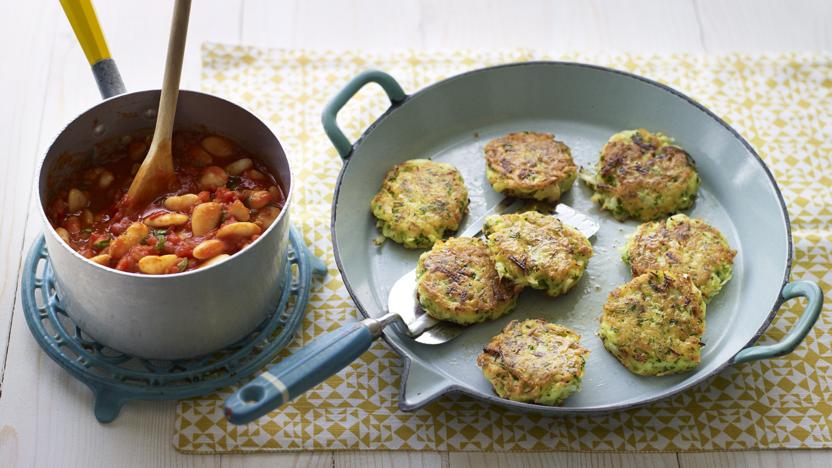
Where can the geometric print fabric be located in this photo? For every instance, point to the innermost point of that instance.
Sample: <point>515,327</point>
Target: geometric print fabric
<point>782,104</point>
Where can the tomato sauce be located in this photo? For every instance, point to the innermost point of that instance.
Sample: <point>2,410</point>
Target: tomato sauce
<point>222,200</point>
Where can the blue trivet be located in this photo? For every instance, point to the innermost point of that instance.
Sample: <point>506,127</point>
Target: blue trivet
<point>116,378</point>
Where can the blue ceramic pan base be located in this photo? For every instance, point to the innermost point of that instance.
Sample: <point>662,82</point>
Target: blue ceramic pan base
<point>116,378</point>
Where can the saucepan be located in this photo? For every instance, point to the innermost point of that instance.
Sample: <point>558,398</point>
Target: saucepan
<point>583,105</point>
<point>179,315</point>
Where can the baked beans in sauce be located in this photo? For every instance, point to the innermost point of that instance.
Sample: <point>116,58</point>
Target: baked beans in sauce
<point>222,200</point>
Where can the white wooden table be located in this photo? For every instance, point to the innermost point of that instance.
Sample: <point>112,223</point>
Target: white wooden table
<point>45,415</point>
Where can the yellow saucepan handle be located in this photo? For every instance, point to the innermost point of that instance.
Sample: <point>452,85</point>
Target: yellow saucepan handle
<point>81,16</point>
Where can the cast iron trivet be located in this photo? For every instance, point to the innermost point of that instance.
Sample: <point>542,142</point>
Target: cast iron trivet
<point>116,378</point>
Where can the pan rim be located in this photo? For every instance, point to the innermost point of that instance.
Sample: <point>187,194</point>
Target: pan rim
<point>694,380</point>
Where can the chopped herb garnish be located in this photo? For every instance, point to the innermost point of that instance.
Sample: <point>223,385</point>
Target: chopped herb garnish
<point>233,182</point>
<point>159,234</point>
<point>182,264</point>
<point>102,244</point>
<point>223,216</point>
<point>86,230</point>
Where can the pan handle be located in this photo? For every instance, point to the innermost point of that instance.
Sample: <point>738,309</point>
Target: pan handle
<point>328,118</point>
<point>81,16</point>
<point>799,288</point>
<point>319,360</point>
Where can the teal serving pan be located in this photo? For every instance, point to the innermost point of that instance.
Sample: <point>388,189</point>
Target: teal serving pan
<point>583,105</point>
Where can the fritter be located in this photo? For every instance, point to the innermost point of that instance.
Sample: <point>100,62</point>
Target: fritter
<point>534,361</point>
<point>419,201</point>
<point>654,324</point>
<point>537,250</point>
<point>644,176</point>
<point>530,165</point>
<point>458,282</point>
<point>683,246</point>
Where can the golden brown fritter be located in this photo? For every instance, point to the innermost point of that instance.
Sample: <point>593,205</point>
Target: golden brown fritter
<point>644,176</point>
<point>530,165</point>
<point>537,250</point>
<point>457,282</point>
<point>419,200</point>
<point>682,245</point>
<point>654,324</point>
<point>534,361</point>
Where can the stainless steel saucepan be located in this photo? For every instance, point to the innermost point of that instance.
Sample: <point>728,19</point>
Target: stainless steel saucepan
<point>173,316</point>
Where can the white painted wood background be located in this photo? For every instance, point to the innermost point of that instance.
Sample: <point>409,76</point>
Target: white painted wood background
<point>46,417</point>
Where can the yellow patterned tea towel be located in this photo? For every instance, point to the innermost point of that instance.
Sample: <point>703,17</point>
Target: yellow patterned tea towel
<point>781,103</point>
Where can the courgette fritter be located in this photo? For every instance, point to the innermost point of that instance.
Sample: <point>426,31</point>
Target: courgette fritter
<point>534,361</point>
<point>419,201</point>
<point>644,176</point>
<point>458,282</point>
<point>654,324</point>
<point>682,245</point>
<point>530,165</point>
<point>537,250</point>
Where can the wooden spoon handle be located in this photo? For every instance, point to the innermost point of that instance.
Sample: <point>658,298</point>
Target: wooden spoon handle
<point>156,172</point>
<point>173,70</point>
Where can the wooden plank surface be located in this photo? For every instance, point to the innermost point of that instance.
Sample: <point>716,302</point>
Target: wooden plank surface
<point>755,26</point>
<point>386,459</point>
<point>778,458</point>
<point>20,127</point>
<point>572,460</point>
<point>45,416</point>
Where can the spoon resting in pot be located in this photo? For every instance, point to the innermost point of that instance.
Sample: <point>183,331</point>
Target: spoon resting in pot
<point>156,172</point>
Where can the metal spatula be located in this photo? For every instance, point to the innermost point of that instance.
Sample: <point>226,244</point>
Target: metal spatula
<point>330,353</point>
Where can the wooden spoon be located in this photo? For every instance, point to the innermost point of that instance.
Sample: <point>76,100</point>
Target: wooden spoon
<point>156,172</point>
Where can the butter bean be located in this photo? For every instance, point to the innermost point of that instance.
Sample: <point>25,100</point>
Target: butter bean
<point>238,166</point>
<point>215,260</point>
<point>63,234</point>
<point>259,199</point>
<point>105,179</point>
<point>239,211</point>
<point>130,237</point>
<point>199,157</point>
<point>76,200</point>
<point>103,259</point>
<point>206,217</point>
<point>181,202</point>
<point>209,249</point>
<point>218,146</point>
<point>212,177</point>
<point>166,220</point>
<point>238,230</point>
<point>92,174</point>
<point>254,174</point>
<point>266,216</point>
<point>157,265</point>
<point>87,218</point>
